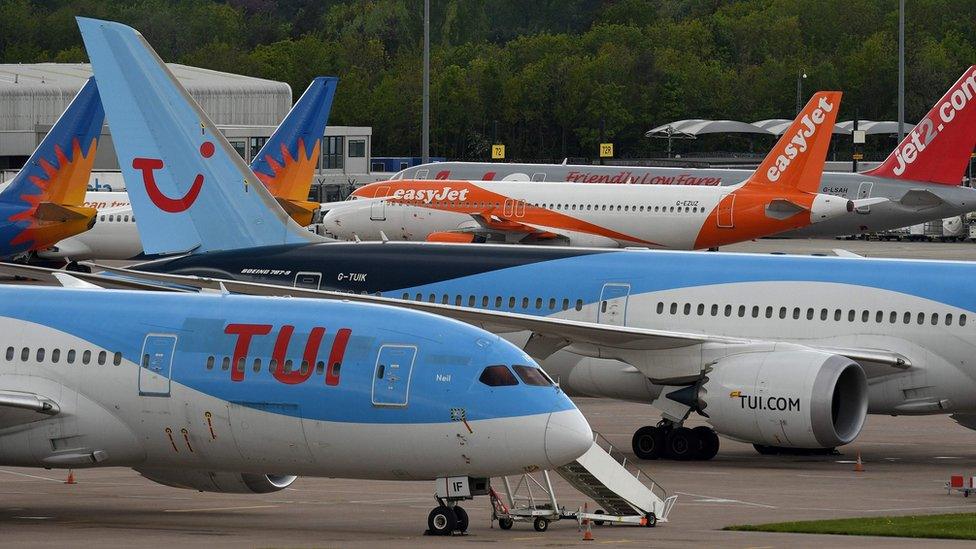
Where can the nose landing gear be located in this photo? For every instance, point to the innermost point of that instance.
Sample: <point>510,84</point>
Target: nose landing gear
<point>668,441</point>
<point>446,520</point>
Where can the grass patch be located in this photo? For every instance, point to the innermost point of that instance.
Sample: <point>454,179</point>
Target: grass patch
<point>953,526</point>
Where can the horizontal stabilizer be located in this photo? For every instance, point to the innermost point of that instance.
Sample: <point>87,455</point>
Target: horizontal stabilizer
<point>920,198</point>
<point>781,208</point>
<point>49,211</point>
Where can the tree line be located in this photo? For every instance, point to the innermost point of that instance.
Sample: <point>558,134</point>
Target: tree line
<point>549,77</point>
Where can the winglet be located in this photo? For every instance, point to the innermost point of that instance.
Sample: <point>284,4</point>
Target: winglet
<point>189,187</point>
<point>938,149</point>
<point>797,159</point>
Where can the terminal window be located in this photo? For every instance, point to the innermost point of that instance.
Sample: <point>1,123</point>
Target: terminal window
<point>240,147</point>
<point>332,153</point>
<point>257,143</point>
<point>357,148</point>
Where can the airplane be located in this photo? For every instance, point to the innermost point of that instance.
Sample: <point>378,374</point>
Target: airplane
<point>285,165</point>
<point>241,394</point>
<point>927,188</point>
<point>43,202</point>
<point>780,195</point>
<point>779,351</point>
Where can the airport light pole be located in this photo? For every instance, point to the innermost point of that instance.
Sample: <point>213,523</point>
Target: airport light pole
<point>425,124</point>
<point>800,76</point>
<point>901,70</point>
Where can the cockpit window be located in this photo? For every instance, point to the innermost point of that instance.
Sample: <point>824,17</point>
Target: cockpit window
<point>532,376</point>
<point>497,376</point>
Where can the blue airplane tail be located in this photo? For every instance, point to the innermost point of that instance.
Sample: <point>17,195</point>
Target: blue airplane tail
<point>59,168</point>
<point>188,186</point>
<point>286,163</point>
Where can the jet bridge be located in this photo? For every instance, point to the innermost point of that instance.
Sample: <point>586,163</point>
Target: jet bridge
<point>623,492</point>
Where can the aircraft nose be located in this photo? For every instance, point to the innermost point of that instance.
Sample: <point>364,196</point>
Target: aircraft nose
<point>568,436</point>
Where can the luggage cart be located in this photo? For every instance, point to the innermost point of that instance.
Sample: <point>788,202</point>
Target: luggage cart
<point>958,483</point>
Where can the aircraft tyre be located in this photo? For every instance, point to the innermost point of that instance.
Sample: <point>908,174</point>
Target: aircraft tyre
<point>442,521</point>
<point>682,444</point>
<point>648,442</point>
<point>708,442</point>
<point>462,518</point>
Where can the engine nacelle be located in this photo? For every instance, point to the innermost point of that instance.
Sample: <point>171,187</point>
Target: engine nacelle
<point>826,206</point>
<point>794,399</point>
<point>216,481</point>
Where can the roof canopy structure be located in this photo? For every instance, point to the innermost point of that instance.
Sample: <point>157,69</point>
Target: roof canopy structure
<point>692,128</point>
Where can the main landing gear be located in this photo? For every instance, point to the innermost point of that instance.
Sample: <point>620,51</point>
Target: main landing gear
<point>667,441</point>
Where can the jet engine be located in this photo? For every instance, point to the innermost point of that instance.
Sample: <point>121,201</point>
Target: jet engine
<point>213,481</point>
<point>792,399</point>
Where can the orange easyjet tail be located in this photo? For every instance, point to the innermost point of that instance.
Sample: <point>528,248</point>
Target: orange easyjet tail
<point>797,160</point>
<point>938,149</point>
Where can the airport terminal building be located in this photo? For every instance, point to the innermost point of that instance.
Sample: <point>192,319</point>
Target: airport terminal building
<point>246,109</point>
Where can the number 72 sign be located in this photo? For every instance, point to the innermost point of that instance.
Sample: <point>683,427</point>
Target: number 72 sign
<point>606,150</point>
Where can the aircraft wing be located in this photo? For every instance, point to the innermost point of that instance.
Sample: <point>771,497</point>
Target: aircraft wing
<point>18,408</point>
<point>549,334</point>
<point>512,230</point>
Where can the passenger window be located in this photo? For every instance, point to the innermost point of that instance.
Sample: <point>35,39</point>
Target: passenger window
<point>210,362</point>
<point>406,296</point>
<point>850,315</point>
<point>511,302</point>
<point>728,310</point>
<point>565,304</point>
<point>71,356</point>
<point>921,318</point>
<point>525,303</point>
<point>782,312</point>
<point>56,355</point>
<point>865,315</point>
<point>497,376</point>
<point>674,308</point>
<point>225,364</point>
<point>471,301</point>
<point>498,302</point>
<point>256,366</point>
<point>962,320</point>
<point>769,312</point>
<point>552,304</point>
<point>810,313</point>
<point>117,359</point>
<point>86,358</point>
<point>879,317</point>
<point>10,353</point>
<point>532,376</point>
<point>660,310</point>
<point>457,300</point>
<point>796,313</point>
<point>823,314</point>
<point>336,366</point>
<point>687,309</point>
<point>420,297</point>
<point>303,369</point>
<point>714,310</point>
<point>742,311</point>
<point>102,356</point>
<point>25,354</point>
<point>444,299</point>
<point>893,317</point>
<point>579,304</point>
<point>319,368</point>
<point>755,311</point>
<point>908,317</point>
<point>484,301</point>
<point>701,309</point>
<point>432,298</point>
<point>288,366</point>
<point>837,314</point>
<point>40,355</point>
<point>240,365</point>
<point>948,319</point>
<point>272,365</point>
<point>935,318</point>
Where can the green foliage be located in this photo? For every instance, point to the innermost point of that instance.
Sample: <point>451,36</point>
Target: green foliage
<point>548,76</point>
<point>953,526</point>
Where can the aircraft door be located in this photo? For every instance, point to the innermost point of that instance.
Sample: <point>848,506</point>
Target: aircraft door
<point>509,208</point>
<point>377,210</point>
<point>391,377</point>
<point>864,191</point>
<point>156,365</point>
<point>724,217</point>
<point>519,208</point>
<point>308,280</point>
<point>613,304</point>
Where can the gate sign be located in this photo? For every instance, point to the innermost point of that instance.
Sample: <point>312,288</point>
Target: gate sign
<point>606,150</point>
<point>498,152</point>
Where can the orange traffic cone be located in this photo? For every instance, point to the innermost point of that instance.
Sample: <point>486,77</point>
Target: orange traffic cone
<point>859,465</point>
<point>71,477</point>
<point>588,533</point>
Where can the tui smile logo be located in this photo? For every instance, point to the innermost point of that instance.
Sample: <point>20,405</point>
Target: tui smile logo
<point>148,166</point>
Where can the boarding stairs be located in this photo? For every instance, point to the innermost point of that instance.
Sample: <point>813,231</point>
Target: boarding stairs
<point>620,487</point>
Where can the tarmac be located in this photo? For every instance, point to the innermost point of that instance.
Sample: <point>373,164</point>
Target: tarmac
<point>907,461</point>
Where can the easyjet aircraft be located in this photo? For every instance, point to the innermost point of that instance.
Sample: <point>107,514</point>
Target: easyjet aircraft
<point>780,196</point>
<point>920,178</point>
